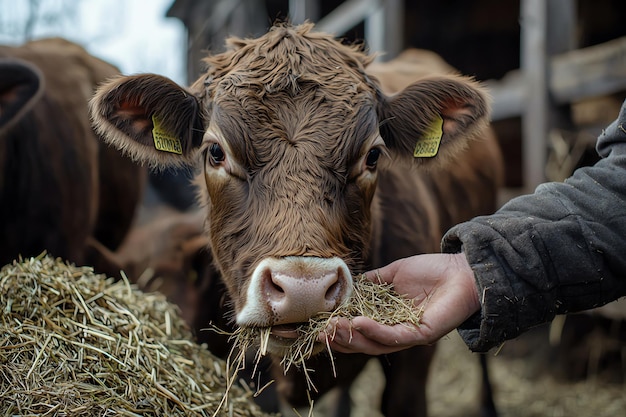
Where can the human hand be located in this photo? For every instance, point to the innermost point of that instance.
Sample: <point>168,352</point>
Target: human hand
<point>442,285</point>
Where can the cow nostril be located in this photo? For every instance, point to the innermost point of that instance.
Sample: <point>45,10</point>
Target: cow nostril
<point>272,285</point>
<point>332,293</point>
<point>338,290</point>
<point>277,287</point>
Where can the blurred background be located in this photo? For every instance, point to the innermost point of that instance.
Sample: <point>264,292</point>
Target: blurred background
<point>134,35</point>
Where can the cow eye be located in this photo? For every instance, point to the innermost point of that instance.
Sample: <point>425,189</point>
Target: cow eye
<point>216,154</point>
<point>372,157</point>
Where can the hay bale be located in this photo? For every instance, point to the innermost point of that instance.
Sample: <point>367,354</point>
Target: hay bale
<point>76,343</point>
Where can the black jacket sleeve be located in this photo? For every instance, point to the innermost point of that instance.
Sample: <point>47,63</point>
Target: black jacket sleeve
<point>559,250</point>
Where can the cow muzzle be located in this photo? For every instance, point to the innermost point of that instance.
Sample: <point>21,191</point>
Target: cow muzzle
<point>288,291</point>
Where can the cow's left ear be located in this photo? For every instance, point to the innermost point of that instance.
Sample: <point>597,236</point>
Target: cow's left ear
<point>149,117</point>
<point>432,120</point>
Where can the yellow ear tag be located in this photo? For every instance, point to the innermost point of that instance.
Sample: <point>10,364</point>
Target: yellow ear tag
<point>428,145</point>
<point>164,141</point>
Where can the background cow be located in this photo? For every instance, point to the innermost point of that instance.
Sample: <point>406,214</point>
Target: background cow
<point>61,188</point>
<point>299,192</point>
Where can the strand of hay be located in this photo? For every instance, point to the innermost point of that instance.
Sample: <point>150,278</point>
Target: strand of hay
<point>378,301</point>
<point>73,343</point>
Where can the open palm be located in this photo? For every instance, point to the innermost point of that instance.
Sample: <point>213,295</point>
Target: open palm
<point>441,284</point>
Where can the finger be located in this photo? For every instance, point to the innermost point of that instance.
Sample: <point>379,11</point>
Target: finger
<point>339,333</point>
<point>367,336</point>
<point>346,339</point>
<point>402,334</point>
<point>383,274</point>
<point>360,344</point>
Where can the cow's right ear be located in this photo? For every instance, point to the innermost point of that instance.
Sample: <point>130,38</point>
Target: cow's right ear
<point>149,117</point>
<point>434,119</point>
<point>21,86</point>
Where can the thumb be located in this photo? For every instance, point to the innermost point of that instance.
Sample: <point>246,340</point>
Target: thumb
<point>384,274</point>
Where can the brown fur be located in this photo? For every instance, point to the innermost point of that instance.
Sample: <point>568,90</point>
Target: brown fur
<point>471,188</point>
<point>295,115</point>
<point>61,189</point>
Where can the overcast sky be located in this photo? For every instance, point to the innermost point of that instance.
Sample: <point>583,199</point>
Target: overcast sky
<point>135,35</point>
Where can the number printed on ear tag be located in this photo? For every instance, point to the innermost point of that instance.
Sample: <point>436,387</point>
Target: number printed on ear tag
<point>428,145</point>
<point>164,141</point>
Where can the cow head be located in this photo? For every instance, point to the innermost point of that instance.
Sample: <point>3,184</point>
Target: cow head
<point>290,132</point>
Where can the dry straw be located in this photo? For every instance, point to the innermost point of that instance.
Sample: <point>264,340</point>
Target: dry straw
<point>73,343</point>
<point>377,301</point>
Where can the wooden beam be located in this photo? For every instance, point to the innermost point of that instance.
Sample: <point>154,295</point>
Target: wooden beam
<point>573,76</point>
<point>347,15</point>
<point>589,72</point>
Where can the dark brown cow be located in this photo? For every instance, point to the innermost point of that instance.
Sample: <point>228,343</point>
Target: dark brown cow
<point>311,174</point>
<point>61,188</point>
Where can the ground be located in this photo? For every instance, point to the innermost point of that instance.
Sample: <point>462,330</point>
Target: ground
<point>521,388</point>
<point>526,379</point>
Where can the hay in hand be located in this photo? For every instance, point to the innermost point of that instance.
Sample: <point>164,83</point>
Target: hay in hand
<point>377,301</point>
<point>75,343</point>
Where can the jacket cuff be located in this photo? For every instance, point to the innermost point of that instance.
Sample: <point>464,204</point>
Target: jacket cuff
<point>502,312</point>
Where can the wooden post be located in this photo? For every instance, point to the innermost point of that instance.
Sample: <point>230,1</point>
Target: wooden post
<point>534,65</point>
<point>384,29</point>
<point>301,10</point>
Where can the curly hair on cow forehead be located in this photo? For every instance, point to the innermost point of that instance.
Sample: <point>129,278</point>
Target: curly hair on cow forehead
<point>284,59</point>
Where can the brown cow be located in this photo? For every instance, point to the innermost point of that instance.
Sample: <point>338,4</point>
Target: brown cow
<point>310,174</point>
<point>61,188</point>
